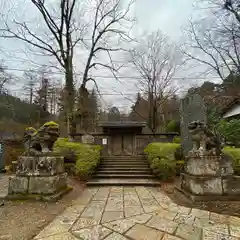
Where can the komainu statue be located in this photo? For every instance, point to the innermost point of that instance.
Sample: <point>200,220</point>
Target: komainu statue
<point>38,142</point>
<point>205,139</point>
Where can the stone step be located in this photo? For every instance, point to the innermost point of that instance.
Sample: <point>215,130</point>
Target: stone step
<point>126,171</point>
<point>123,182</point>
<point>122,168</point>
<point>124,159</point>
<point>116,167</point>
<point>125,156</point>
<point>119,175</point>
<point>123,163</point>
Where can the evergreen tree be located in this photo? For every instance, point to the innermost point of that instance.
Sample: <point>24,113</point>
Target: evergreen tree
<point>93,109</point>
<point>114,114</point>
<point>41,101</point>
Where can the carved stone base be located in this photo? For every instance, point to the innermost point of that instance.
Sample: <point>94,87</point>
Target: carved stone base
<point>190,197</point>
<point>47,198</point>
<point>28,185</point>
<point>39,166</point>
<point>209,165</point>
<point>207,188</point>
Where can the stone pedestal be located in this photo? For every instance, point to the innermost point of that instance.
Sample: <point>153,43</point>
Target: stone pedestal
<point>209,177</point>
<point>41,178</point>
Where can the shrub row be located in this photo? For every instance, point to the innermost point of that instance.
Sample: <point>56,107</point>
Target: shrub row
<point>235,154</point>
<point>86,157</point>
<point>162,160</point>
<point>166,164</point>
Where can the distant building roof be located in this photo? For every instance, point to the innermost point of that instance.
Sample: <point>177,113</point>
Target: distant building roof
<point>233,109</point>
<point>122,124</point>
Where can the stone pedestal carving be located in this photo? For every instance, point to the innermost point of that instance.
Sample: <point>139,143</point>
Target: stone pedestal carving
<point>39,174</point>
<point>38,177</point>
<point>208,173</point>
<point>210,177</point>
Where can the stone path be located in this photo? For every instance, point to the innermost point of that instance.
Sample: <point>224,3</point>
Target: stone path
<point>3,185</point>
<point>139,213</point>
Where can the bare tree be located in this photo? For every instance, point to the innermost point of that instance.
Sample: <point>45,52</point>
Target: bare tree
<point>53,96</point>
<point>157,60</point>
<point>30,83</point>
<point>111,27</point>
<point>215,41</point>
<point>4,77</point>
<point>62,35</point>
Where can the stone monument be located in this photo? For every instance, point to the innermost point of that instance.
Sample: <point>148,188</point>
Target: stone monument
<point>39,172</point>
<point>192,108</point>
<point>87,139</point>
<point>208,172</point>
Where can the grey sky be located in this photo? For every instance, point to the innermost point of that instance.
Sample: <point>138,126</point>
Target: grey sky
<point>168,16</point>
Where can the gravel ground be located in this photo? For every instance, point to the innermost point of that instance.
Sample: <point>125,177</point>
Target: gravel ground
<point>22,220</point>
<point>223,207</point>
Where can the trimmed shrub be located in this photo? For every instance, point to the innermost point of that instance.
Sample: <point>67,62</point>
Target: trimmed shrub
<point>176,139</point>
<point>166,159</point>
<point>178,154</point>
<point>173,126</point>
<point>235,154</point>
<point>86,156</point>
<point>230,130</point>
<point>163,168</point>
<point>161,159</point>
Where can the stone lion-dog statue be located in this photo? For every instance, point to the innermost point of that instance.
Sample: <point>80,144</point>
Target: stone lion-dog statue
<point>205,139</point>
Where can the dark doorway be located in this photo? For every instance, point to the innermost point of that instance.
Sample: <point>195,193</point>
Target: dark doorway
<point>122,144</point>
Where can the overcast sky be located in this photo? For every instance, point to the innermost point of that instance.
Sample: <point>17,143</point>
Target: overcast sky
<point>168,16</point>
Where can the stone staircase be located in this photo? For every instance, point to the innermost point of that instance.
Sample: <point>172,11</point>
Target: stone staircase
<point>123,171</point>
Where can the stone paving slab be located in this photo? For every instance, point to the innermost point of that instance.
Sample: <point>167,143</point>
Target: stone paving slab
<point>4,179</point>
<point>137,213</point>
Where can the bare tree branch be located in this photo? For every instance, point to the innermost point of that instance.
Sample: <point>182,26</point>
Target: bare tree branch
<point>63,36</point>
<point>157,61</point>
<point>215,42</point>
<point>4,77</point>
<point>110,22</point>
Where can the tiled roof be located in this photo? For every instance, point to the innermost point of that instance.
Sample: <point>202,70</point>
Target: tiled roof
<point>113,124</point>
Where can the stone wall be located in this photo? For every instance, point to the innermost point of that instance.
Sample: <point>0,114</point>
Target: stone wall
<point>41,176</point>
<point>140,141</point>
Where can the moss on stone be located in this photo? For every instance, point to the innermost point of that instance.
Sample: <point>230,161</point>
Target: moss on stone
<point>30,129</point>
<point>51,123</point>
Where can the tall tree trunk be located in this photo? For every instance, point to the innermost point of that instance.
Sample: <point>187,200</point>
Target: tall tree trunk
<point>69,98</point>
<point>31,95</point>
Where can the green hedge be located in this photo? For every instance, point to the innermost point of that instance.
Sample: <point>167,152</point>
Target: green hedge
<point>87,156</point>
<point>173,126</point>
<point>235,154</point>
<point>165,164</point>
<point>162,160</point>
<point>176,139</point>
<point>230,130</point>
